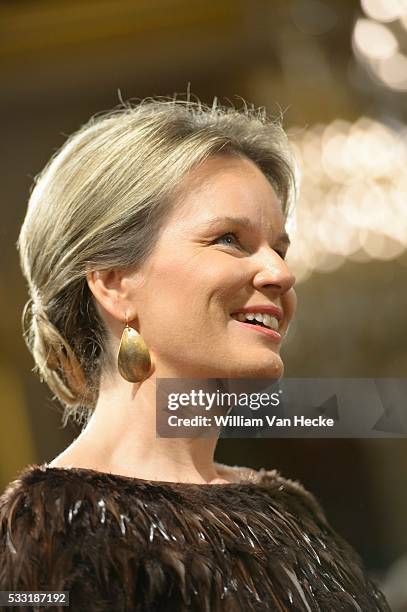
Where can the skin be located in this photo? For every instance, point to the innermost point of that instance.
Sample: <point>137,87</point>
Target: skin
<point>180,301</point>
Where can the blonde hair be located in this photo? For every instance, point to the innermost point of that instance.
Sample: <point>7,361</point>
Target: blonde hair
<point>99,204</point>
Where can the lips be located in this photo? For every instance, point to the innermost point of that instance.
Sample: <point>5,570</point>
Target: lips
<point>273,335</point>
<point>271,309</point>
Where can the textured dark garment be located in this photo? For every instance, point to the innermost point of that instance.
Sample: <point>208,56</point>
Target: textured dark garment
<point>126,544</point>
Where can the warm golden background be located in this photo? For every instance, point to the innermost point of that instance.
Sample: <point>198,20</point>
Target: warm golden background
<point>337,69</point>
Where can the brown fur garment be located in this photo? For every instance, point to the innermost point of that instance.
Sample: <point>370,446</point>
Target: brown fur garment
<point>125,544</point>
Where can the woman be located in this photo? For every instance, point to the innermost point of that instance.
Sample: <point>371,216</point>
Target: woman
<point>149,238</point>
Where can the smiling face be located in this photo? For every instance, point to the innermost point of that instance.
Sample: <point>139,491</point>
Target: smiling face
<point>219,252</point>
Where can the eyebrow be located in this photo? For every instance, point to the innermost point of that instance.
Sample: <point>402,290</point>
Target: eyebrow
<point>245,222</point>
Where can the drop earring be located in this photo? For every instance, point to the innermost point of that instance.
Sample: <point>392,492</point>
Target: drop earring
<point>133,359</point>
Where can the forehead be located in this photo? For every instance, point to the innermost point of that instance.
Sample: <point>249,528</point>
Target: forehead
<point>227,186</point>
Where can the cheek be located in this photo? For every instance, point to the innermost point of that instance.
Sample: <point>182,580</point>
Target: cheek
<point>225,275</point>
<point>173,298</point>
<point>181,294</point>
<point>200,282</point>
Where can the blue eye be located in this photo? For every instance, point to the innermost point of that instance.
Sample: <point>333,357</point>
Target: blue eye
<point>225,238</point>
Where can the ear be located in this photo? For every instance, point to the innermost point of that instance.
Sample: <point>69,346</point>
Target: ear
<point>112,292</point>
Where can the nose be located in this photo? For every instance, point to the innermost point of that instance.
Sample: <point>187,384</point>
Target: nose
<point>273,273</point>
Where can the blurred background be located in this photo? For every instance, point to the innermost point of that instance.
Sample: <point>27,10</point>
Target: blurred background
<point>337,71</point>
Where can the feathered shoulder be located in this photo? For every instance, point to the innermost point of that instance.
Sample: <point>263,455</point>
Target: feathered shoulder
<point>126,544</point>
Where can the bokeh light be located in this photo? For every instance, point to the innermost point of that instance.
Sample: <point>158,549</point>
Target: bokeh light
<point>393,71</point>
<point>353,197</point>
<point>374,40</point>
<point>378,42</point>
<point>384,10</point>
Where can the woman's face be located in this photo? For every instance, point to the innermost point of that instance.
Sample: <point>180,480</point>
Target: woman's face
<point>220,251</point>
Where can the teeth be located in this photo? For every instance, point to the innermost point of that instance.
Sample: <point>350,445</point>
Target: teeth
<point>273,323</point>
<point>266,319</point>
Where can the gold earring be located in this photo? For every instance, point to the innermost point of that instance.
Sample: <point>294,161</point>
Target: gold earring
<point>133,359</point>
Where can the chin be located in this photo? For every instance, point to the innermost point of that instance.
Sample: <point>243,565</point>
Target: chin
<point>272,369</point>
<point>273,372</point>
<point>269,366</point>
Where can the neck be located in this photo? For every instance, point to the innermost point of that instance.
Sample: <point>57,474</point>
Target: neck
<point>121,438</point>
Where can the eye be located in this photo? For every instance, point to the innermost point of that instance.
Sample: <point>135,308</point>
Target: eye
<point>230,239</point>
